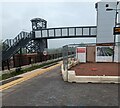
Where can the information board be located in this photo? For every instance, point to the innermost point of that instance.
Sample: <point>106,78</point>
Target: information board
<point>81,54</point>
<point>104,53</point>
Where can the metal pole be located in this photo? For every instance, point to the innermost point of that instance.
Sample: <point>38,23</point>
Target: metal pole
<point>8,64</point>
<point>2,65</point>
<point>14,61</point>
<point>20,58</point>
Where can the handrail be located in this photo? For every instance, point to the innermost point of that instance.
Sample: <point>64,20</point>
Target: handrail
<point>8,43</point>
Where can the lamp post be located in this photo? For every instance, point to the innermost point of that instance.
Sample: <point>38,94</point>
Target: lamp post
<point>116,12</point>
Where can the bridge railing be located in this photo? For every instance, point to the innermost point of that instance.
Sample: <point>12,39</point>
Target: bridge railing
<point>66,31</point>
<point>12,42</point>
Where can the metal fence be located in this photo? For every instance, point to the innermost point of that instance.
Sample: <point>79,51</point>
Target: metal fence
<point>68,52</point>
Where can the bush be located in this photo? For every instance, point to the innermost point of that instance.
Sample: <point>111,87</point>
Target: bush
<point>19,71</point>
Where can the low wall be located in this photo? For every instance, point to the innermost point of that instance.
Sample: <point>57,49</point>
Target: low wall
<point>70,76</point>
<point>93,79</point>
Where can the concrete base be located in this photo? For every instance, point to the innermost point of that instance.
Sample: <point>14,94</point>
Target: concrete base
<point>93,79</point>
<point>64,73</point>
<point>70,76</point>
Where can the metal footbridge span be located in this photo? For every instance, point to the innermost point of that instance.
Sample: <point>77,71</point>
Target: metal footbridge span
<point>36,40</point>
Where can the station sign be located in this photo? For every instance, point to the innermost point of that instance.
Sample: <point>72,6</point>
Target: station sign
<point>116,30</point>
<point>81,54</point>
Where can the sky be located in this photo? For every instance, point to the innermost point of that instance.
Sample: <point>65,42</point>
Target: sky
<point>16,17</point>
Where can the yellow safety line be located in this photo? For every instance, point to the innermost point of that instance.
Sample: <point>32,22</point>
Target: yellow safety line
<point>26,77</point>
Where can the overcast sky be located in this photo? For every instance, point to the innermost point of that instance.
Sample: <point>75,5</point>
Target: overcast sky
<point>16,17</point>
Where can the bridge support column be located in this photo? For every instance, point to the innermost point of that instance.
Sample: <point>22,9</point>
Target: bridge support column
<point>3,65</point>
<point>20,58</point>
<point>40,45</point>
<point>8,66</point>
<point>13,60</point>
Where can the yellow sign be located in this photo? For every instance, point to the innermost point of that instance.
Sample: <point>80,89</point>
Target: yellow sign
<point>116,30</point>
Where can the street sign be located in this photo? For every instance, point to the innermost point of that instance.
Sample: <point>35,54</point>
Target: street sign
<point>116,30</point>
<point>44,52</point>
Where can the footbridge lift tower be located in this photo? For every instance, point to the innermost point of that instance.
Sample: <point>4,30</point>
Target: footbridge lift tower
<point>108,17</point>
<point>106,20</point>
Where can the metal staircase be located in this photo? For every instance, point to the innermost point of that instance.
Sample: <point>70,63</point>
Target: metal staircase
<point>11,46</point>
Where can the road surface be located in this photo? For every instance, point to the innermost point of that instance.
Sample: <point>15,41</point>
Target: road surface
<point>49,89</point>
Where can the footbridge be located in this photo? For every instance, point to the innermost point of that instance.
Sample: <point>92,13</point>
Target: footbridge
<point>36,40</point>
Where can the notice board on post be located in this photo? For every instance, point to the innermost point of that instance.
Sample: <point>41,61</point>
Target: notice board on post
<point>104,53</point>
<point>81,54</point>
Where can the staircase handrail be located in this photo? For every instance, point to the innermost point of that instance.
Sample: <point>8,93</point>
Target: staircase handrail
<point>8,43</point>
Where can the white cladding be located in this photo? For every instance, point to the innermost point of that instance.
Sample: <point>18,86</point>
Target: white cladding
<point>105,21</point>
<point>118,21</point>
<point>119,12</point>
<point>117,54</point>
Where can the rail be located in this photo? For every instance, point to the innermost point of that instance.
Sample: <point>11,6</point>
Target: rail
<point>12,42</point>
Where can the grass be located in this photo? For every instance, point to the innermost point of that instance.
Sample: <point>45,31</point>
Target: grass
<point>33,67</point>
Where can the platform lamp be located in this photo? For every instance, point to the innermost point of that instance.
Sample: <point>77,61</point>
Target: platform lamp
<point>116,12</point>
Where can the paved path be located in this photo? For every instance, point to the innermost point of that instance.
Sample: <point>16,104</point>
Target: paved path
<point>49,89</point>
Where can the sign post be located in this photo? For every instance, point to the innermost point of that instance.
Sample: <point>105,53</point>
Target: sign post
<point>115,32</point>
